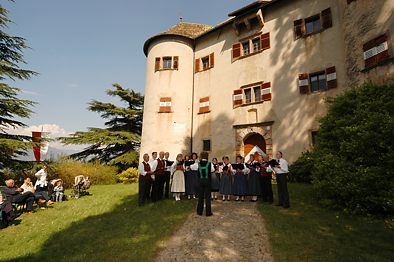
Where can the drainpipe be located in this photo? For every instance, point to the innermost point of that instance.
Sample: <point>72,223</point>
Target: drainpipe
<point>192,111</point>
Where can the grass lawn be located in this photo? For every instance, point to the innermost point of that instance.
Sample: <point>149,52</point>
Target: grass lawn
<point>107,226</point>
<point>307,232</point>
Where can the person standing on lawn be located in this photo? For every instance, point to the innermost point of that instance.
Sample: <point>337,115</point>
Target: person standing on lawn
<point>145,180</point>
<point>281,171</point>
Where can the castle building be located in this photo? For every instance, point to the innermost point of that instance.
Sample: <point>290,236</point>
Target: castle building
<point>258,82</point>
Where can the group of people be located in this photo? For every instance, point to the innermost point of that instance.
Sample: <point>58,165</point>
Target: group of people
<point>27,194</point>
<point>195,176</point>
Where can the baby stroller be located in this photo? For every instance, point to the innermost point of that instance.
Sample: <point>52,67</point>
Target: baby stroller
<point>80,187</point>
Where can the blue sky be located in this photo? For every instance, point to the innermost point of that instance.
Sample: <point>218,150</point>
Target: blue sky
<point>81,47</point>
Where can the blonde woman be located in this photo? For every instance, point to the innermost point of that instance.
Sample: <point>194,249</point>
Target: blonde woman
<point>178,177</point>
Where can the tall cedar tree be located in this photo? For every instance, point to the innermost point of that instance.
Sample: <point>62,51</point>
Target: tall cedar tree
<point>11,56</point>
<point>118,143</point>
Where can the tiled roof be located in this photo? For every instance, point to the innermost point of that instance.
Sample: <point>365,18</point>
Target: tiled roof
<point>187,29</point>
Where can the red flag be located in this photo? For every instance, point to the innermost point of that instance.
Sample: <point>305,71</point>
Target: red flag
<point>36,149</point>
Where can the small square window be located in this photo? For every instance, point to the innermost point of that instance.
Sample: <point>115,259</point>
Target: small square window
<point>318,82</point>
<point>206,145</point>
<point>256,44</point>
<point>167,62</point>
<point>257,93</point>
<point>205,62</point>
<point>246,48</point>
<point>313,25</point>
<point>248,95</point>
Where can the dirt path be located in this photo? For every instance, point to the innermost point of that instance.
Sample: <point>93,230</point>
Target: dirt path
<point>235,232</point>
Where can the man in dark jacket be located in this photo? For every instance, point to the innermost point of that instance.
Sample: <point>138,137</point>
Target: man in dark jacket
<point>14,195</point>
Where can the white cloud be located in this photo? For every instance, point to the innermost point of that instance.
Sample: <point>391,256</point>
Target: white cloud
<point>28,92</point>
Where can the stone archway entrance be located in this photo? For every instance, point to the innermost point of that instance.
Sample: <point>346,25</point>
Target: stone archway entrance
<point>254,144</point>
<point>249,134</point>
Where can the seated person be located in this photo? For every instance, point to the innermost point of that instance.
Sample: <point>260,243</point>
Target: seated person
<point>14,195</point>
<point>59,191</point>
<point>6,207</point>
<point>41,197</point>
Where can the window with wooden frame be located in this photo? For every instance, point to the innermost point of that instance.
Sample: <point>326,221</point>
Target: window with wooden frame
<point>204,63</point>
<point>204,105</point>
<point>318,81</point>
<point>166,63</point>
<point>376,50</point>
<point>248,95</point>
<point>165,105</point>
<point>313,24</point>
<point>252,45</point>
<point>253,93</point>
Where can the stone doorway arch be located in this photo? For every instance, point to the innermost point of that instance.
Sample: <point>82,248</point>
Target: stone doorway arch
<point>242,132</point>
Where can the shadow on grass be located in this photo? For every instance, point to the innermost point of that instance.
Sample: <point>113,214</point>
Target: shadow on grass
<point>307,231</point>
<point>127,233</point>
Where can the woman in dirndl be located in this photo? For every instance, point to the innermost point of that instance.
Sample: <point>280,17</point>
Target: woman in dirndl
<point>178,178</point>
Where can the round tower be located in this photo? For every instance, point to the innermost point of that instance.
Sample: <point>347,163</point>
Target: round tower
<point>167,120</point>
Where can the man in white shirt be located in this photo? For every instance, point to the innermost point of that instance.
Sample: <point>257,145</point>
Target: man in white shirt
<point>153,165</point>
<point>281,172</point>
<point>145,180</point>
<point>41,183</point>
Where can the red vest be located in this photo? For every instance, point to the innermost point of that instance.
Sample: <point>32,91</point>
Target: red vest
<point>160,167</point>
<point>146,169</point>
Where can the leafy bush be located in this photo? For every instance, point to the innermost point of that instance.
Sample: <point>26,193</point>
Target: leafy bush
<point>68,169</point>
<point>129,176</point>
<point>354,153</point>
<point>301,170</point>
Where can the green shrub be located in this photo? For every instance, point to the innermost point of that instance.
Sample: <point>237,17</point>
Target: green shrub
<point>354,154</point>
<point>129,176</point>
<point>68,169</point>
<point>301,169</point>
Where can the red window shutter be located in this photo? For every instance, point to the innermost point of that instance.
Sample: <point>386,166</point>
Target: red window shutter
<point>197,66</point>
<point>370,61</point>
<point>299,28</point>
<point>212,60</point>
<point>236,50</point>
<point>266,94</point>
<point>303,83</point>
<point>331,77</point>
<point>157,64</point>
<point>165,105</point>
<point>265,41</point>
<point>326,18</point>
<point>237,97</point>
<point>382,47</point>
<point>176,62</point>
<point>204,105</point>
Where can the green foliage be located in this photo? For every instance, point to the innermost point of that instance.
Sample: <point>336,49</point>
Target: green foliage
<point>308,232</point>
<point>129,176</point>
<point>68,169</point>
<point>301,170</point>
<point>118,143</point>
<point>11,107</point>
<point>354,154</point>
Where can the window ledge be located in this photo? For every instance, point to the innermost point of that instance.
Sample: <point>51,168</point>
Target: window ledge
<point>381,63</point>
<point>248,55</point>
<point>169,69</point>
<point>201,113</point>
<point>206,69</point>
<point>161,112</point>
<point>252,103</point>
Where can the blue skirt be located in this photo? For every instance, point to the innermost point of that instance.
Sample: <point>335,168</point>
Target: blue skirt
<point>215,182</point>
<point>225,184</point>
<point>191,181</point>
<point>254,183</point>
<point>240,185</point>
